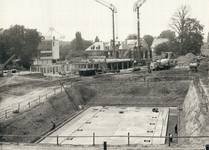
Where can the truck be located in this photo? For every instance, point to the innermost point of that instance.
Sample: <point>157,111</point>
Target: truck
<point>165,61</point>
<point>193,66</point>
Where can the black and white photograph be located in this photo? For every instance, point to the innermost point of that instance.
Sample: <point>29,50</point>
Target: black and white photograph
<point>104,75</point>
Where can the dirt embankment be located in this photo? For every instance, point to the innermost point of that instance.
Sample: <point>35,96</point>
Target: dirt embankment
<point>169,93</point>
<point>194,117</point>
<point>38,120</point>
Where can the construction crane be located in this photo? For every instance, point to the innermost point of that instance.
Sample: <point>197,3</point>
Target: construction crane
<point>137,5</point>
<point>113,10</point>
<point>4,65</point>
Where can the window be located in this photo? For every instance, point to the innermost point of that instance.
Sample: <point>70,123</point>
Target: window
<point>46,55</point>
<point>98,47</point>
<point>93,47</point>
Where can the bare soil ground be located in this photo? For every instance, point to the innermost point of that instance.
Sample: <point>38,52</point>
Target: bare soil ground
<point>15,89</point>
<point>117,89</point>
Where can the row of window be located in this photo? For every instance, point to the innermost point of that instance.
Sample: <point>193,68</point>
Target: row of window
<point>46,55</point>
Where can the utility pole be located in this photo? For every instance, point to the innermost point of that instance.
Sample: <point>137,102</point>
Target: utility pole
<point>138,35</point>
<point>113,32</point>
<point>113,10</point>
<point>137,5</point>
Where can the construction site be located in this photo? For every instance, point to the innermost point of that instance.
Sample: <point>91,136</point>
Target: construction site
<point>137,110</point>
<point>117,95</point>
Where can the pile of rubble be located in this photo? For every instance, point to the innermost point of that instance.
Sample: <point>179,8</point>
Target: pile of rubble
<point>186,59</point>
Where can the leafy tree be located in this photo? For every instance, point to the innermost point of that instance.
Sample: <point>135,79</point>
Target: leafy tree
<point>132,37</point>
<point>163,47</point>
<point>149,40</point>
<point>65,49</point>
<point>189,30</point>
<point>96,39</point>
<point>78,42</point>
<point>20,41</point>
<point>168,34</point>
<point>77,47</point>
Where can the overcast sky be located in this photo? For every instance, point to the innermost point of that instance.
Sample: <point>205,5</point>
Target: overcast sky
<point>91,18</point>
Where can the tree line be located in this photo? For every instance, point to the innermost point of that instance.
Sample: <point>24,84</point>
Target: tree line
<point>23,43</point>
<point>185,35</point>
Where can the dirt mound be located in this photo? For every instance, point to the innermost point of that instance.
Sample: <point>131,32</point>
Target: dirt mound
<point>186,59</point>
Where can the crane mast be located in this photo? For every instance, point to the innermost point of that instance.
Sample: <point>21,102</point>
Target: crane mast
<point>137,5</point>
<point>113,10</point>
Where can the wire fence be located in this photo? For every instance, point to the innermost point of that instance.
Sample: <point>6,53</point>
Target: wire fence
<point>113,139</point>
<point>24,105</point>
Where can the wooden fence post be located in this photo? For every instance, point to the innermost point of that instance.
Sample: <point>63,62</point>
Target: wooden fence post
<point>128,138</point>
<point>58,140</point>
<point>93,139</point>
<point>105,145</point>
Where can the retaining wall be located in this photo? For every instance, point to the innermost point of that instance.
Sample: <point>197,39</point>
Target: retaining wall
<point>195,116</point>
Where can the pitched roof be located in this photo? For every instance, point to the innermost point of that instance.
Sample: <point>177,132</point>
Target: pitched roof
<point>98,46</point>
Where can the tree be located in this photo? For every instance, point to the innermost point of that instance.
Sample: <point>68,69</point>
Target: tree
<point>77,47</point>
<point>163,47</point>
<point>149,40</point>
<point>132,37</point>
<point>189,30</point>
<point>20,41</point>
<point>96,39</point>
<point>78,41</point>
<point>168,34</point>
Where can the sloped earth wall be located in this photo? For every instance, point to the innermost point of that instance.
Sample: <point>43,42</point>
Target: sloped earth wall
<point>194,117</point>
<point>38,120</point>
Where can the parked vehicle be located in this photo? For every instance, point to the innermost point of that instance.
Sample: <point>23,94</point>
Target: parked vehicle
<point>165,62</point>
<point>193,66</point>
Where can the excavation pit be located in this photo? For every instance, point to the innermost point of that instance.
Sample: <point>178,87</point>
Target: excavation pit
<point>113,127</point>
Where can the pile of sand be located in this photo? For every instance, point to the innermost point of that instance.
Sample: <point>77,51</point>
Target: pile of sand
<point>186,59</point>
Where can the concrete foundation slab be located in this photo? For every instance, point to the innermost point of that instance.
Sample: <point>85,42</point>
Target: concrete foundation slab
<point>113,124</point>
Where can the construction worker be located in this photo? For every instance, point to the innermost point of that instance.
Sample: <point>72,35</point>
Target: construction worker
<point>53,125</point>
<point>170,137</point>
<point>176,129</point>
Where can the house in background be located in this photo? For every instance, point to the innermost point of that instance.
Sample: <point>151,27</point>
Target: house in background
<point>99,49</point>
<point>205,47</point>
<point>48,55</point>
<point>48,52</point>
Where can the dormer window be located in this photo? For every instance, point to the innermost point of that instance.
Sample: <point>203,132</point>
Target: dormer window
<point>93,47</point>
<point>98,47</point>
